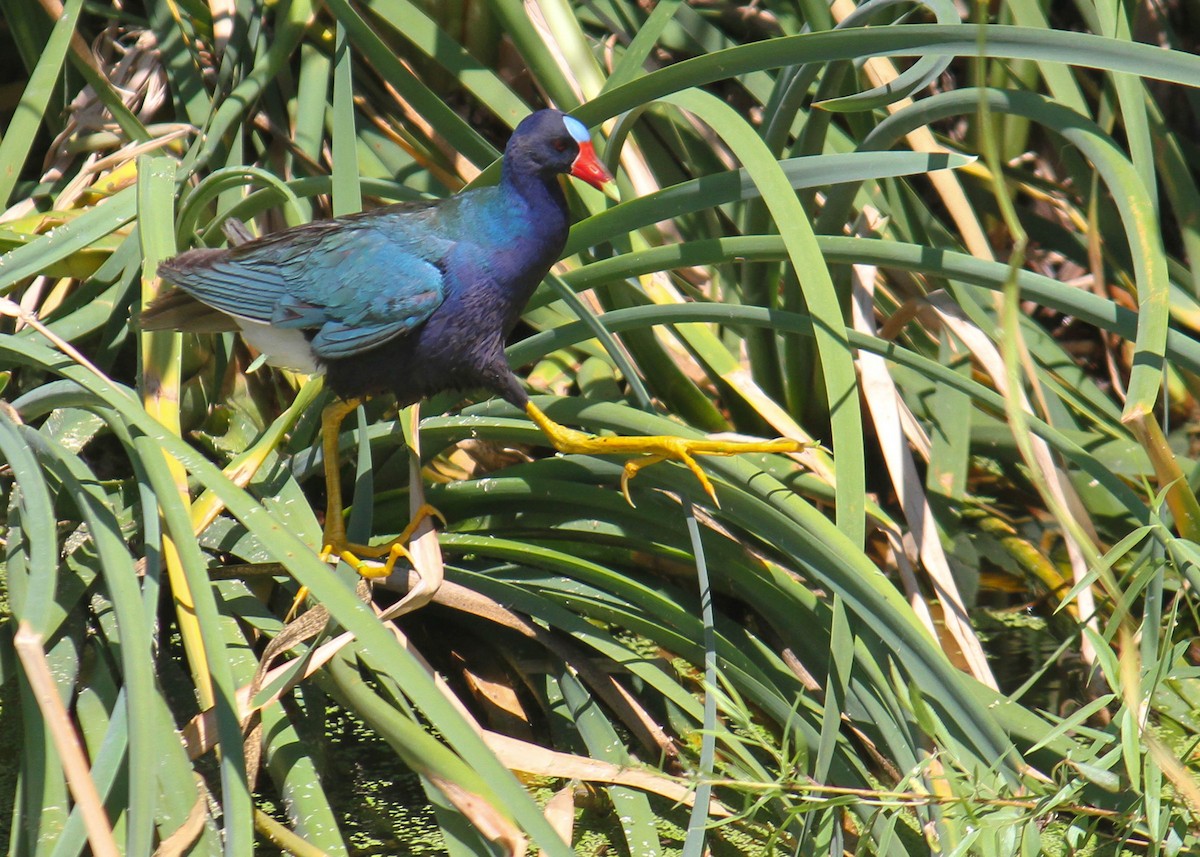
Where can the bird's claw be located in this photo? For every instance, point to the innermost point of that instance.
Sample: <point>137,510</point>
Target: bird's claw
<point>356,555</point>
<point>364,558</point>
<point>676,452</point>
<point>392,549</point>
<point>684,451</point>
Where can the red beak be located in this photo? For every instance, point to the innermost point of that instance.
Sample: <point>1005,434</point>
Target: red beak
<point>588,168</point>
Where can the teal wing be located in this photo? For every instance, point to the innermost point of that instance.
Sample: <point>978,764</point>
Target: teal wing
<point>351,283</point>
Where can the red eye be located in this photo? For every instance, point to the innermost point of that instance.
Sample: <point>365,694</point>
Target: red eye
<point>560,145</point>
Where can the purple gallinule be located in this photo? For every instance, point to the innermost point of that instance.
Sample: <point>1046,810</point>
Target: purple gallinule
<point>414,299</point>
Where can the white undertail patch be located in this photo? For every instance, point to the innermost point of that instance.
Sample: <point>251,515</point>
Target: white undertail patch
<point>286,348</point>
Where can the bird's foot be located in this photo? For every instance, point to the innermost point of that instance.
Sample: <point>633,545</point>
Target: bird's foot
<point>355,555</point>
<point>653,449</point>
<point>335,547</point>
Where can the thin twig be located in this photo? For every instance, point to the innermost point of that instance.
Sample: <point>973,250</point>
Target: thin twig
<point>28,644</point>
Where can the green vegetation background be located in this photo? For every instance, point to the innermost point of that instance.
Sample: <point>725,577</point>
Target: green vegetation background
<point>960,254</point>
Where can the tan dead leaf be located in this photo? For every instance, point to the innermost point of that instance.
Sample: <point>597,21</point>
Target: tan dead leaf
<point>560,812</point>
<point>490,822</point>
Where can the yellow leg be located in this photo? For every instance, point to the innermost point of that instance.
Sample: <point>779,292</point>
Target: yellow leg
<point>652,448</point>
<point>334,539</point>
<point>334,542</point>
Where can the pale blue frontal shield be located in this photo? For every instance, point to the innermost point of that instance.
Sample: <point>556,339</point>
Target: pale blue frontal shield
<point>577,129</point>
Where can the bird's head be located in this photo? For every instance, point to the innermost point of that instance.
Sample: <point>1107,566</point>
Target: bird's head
<point>551,143</point>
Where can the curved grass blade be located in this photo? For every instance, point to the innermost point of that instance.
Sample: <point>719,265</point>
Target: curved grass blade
<point>76,235</point>
<point>922,73</point>
<point>1002,42</point>
<point>27,118</point>
<point>121,583</point>
<point>449,124</point>
<point>474,77</point>
<point>301,560</point>
<point>1130,196</point>
<point>740,185</point>
<point>938,262</point>
<point>31,563</point>
<point>836,361</point>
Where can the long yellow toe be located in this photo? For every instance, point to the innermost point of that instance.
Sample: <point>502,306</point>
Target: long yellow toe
<point>652,449</point>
